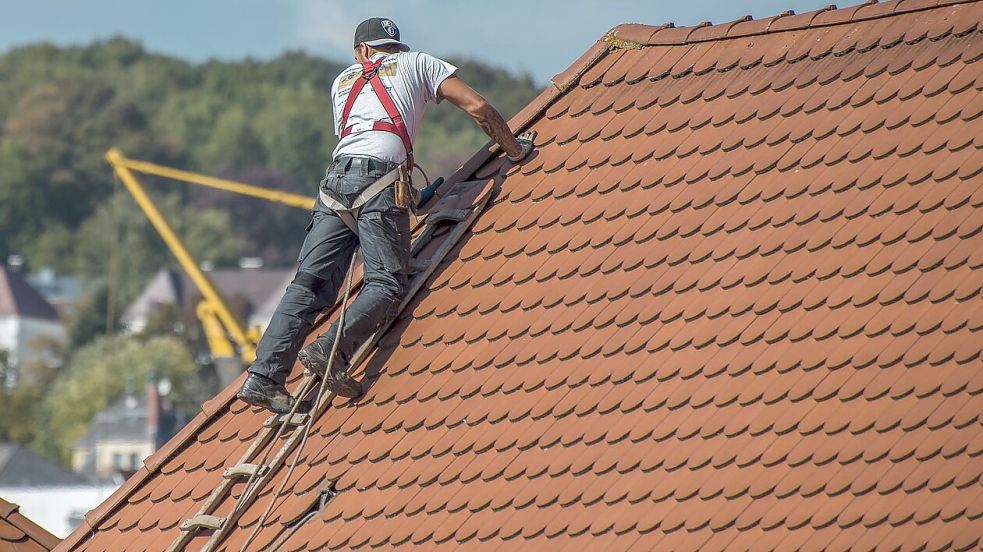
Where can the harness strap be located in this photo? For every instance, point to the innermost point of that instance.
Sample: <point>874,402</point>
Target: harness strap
<point>349,214</point>
<point>397,119</point>
<point>370,74</point>
<point>349,102</point>
<point>396,125</point>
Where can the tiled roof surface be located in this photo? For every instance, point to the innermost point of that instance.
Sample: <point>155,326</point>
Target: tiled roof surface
<point>19,534</point>
<point>733,302</point>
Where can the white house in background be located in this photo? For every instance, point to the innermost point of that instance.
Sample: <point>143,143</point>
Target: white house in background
<point>26,320</point>
<point>50,495</point>
<point>124,434</point>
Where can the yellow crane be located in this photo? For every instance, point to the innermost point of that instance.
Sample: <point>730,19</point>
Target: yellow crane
<point>225,332</point>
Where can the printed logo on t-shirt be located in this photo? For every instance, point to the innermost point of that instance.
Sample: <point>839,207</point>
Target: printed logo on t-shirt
<point>389,27</point>
<point>387,69</point>
<point>415,81</point>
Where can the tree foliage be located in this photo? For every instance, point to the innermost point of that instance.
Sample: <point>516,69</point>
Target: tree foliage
<point>20,403</point>
<point>62,107</point>
<point>101,372</point>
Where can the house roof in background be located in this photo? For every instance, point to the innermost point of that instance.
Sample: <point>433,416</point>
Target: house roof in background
<point>249,287</point>
<point>59,290</point>
<point>124,419</point>
<point>19,534</point>
<point>732,301</point>
<point>18,298</point>
<point>21,467</point>
<point>263,312</point>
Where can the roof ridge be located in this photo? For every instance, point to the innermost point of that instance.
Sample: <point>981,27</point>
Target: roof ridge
<point>637,35</point>
<point>668,34</point>
<point>34,531</point>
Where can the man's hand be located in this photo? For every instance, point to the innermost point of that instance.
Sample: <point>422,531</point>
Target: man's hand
<point>526,142</point>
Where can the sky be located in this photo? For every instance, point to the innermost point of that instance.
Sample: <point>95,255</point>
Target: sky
<point>539,37</point>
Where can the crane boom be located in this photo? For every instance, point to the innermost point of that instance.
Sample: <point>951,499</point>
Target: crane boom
<point>276,196</point>
<point>214,311</point>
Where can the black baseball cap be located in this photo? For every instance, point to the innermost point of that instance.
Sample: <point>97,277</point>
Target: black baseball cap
<point>379,31</point>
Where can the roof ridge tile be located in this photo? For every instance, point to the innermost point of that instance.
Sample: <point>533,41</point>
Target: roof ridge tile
<point>668,34</point>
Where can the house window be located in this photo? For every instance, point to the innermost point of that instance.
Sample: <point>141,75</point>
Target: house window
<point>134,460</point>
<point>118,460</point>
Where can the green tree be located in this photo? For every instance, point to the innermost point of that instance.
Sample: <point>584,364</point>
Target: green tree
<point>20,402</point>
<point>18,411</point>
<point>62,107</point>
<point>6,369</point>
<point>296,134</point>
<point>233,143</point>
<point>20,198</point>
<point>101,372</point>
<point>209,235</point>
<point>90,318</point>
<point>122,237</point>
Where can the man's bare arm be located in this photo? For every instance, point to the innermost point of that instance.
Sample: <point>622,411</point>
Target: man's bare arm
<point>488,118</point>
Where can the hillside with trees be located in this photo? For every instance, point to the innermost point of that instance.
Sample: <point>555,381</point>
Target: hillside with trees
<point>267,123</point>
<point>263,122</point>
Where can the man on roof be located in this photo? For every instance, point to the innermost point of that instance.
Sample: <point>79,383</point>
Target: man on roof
<point>378,106</point>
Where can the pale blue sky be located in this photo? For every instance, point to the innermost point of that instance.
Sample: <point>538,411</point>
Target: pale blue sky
<point>538,36</point>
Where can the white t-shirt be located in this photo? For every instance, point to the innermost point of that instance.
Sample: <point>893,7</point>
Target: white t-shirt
<point>411,78</point>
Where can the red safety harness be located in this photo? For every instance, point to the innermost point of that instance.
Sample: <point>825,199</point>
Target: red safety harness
<point>370,74</point>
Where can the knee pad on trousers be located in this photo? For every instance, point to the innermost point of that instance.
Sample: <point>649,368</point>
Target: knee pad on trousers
<point>309,281</point>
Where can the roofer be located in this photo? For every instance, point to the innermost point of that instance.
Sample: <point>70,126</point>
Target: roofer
<point>378,105</point>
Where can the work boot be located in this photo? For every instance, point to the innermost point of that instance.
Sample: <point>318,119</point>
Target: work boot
<point>261,391</point>
<point>314,357</point>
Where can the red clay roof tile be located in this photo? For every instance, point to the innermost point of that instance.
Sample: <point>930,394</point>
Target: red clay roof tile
<point>731,295</point>
<point>17,532</point>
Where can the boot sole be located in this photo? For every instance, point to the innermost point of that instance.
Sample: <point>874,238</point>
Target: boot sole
<point>311,364</point>
<point>260,401</point>
<point>349,389</point>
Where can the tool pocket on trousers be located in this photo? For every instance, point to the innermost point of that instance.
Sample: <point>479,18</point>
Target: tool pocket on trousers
<point>328,182</point>
<point>305,248</point>
<point>386,239</point>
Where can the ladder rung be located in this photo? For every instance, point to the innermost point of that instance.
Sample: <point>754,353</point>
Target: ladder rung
<point>243,470</point>
<point>203,521</point>
<point>277,419</point>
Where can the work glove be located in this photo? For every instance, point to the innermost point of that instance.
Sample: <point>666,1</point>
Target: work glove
<point>526,143</point>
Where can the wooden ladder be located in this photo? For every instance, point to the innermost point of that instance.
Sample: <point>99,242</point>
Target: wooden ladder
<point>457,210</point>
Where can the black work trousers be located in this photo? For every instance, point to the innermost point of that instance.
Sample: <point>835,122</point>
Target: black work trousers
<point>384,238</point>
